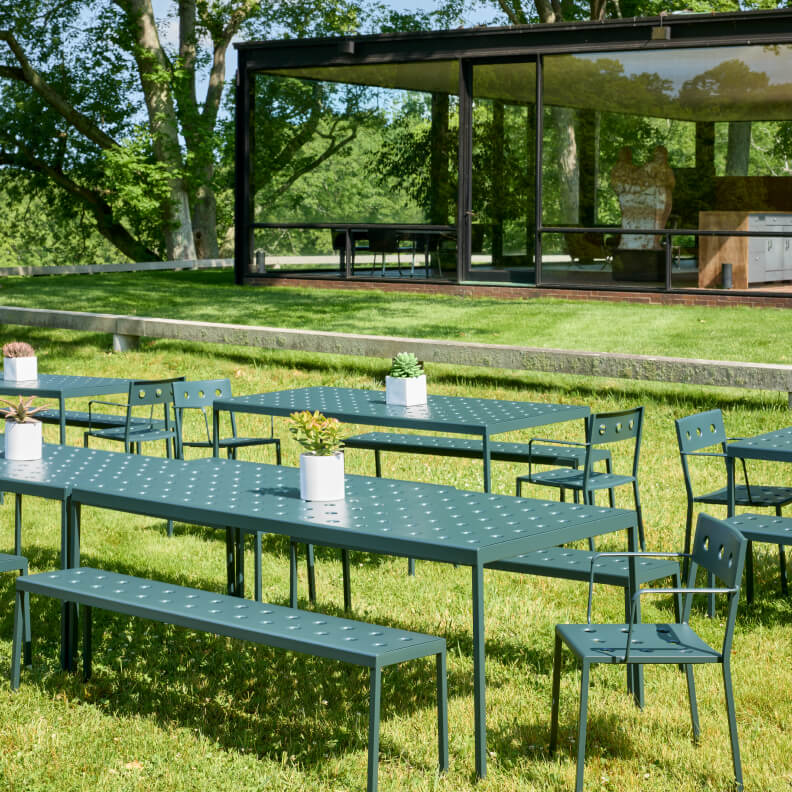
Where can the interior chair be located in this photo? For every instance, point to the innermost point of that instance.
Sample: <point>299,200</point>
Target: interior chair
<point>11,563</point>
<point>720,550</point>
<point>382,241</point>
<point>697,436</point>
<point>138,429</point>
<point>602,431</point>
<point>199,395</point>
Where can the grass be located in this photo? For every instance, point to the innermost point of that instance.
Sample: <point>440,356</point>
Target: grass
<point>736,333</point>
<point>168,709</point>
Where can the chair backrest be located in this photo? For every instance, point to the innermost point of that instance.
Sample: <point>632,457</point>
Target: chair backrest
<point>696,433</point>
<point>720,549</point>
<point>614,427</point>
<point>199,394</point>
<point>150,392</point>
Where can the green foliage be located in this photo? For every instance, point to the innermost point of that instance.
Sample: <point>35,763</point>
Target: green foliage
<point>406,366</point>
<point>23,411</point>
<point>316,433</point>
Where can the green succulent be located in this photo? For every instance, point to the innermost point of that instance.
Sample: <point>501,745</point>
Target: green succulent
<point>406,366</point>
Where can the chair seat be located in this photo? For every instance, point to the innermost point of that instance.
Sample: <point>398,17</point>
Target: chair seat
<point>9,562</point>
<point>569,478</point>
<point>763,527</point>
<point>574,564</point>
<point>760,496</point>
<point>651,643</point>
<point>137,434</point>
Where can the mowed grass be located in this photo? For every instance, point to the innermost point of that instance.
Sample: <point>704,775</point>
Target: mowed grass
<point>737,333</point>
<point>169,709</point>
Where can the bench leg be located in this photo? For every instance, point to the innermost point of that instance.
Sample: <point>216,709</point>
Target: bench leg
<point>377,464</point>
<point>375,696</point>
<point>16,646</point>
<point>309,559</point>
<point>749,573</point>
<point>442,713</point>
<point>292,574</point>
<point>782,562</point>
<point>87,629</point>
<point>27,633</point>
<point>257,567</point>
<point>411,567</point>
<point>18,524</point>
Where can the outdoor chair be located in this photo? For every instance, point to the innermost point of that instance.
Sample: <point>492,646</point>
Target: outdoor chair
<point>11,563</point>
<point>602,430</point>
<point>137,429</point>
<point>695,434</point>
<point>718,548</point>
<point>199,395</point>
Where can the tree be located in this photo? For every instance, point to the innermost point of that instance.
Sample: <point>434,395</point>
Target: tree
<point>98,99</point>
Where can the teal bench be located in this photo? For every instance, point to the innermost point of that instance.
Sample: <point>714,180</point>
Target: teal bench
<point>270,625</point>
<point>471,447</point>
<point>94,419</point>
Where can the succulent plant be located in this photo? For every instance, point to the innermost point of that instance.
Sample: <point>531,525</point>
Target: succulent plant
<point>316,433</point>
<point>18,349</point>
<point>406,366</point>
<point>21,412</point>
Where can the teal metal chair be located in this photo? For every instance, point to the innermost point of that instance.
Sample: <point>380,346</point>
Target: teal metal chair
<point>720,550</point>
<point>602,430</point>
<point>697,436</point>
<point>18,563</point>
<point>199,395</point>
<point>137,429</point>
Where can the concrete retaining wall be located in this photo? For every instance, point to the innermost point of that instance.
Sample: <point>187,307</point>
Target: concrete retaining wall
<point>135,266</point>
<point>125,329</point>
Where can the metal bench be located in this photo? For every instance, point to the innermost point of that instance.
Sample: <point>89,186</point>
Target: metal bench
<point>271,625</point>
<point>471,447</point>
<point>94,419</point>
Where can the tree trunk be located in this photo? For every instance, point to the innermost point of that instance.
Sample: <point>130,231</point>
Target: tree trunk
<point>739,148</point>
<point>563,121</point>
<point>204,224</point>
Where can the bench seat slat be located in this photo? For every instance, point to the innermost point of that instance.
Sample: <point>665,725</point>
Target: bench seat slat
<point>471,447</point>
<point>281,627</point>
<point>98,420</point>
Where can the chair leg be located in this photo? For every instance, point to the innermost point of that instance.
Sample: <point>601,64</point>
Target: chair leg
<point>375,696</point>
<point>277,452</point>
<point>518,487</point>
<point>688,537</point>
<point>691,685</point>
<point>582,717</point>
<point>639,514</point>
<point>442,712</point>
<point>28,647</point>
<point>556,693</point>
<point>347,581</point>
<point>749,572</point>
<point>16,646</point>
<point>257,566</point>
<point>782,563</point>
<point>611,492</point>
<point>735,745</point>
<point>377,463</point>
<point>411,567</point>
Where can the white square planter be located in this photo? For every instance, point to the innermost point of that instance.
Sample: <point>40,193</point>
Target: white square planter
<point>322,477</point>
<point>405,391</point>
<point>20,369</point>
<point>22,440</point>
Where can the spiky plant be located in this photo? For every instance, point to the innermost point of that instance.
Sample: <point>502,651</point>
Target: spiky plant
<point>22,412</point>
<point>406,366</point>
<point>18,349</point>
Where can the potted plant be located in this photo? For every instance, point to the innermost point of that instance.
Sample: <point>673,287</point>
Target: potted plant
<point>19,362</point>
<point>406,383</point>
<point>322,465</point>
<point>22,431</point>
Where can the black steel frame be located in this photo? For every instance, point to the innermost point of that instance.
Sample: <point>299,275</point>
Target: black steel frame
<point>482,45</point>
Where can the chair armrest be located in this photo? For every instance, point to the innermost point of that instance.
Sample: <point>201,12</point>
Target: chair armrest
<point>106,404</point>
<point>550,440</point>
<point>705,454</point>
<point>626,554</point>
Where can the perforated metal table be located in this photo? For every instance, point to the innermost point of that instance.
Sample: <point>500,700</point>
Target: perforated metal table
<point>452,414</point>
<point>62,387</point>
<point>424,521</point>
<point>773,446</point>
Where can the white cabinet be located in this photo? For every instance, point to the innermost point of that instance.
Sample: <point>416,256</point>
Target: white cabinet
<point>770,258</point>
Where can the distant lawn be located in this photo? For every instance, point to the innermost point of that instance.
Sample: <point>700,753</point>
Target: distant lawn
<point>738,333</point>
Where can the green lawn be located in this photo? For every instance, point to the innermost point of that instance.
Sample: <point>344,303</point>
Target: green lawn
<point>170,710</point>
<point>737,333</point>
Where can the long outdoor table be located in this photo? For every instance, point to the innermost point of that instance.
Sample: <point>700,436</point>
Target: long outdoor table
<point>773,446</point>
<point>62,387</point>
<point>452,414</point>
<point>386,516</point>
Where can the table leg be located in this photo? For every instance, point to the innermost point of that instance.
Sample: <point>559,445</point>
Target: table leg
<point>479,679</point>
<point>216,432</point>
<point>231,553</point>
<point>486,454</point>
<point>239,540</point>
<point>62,406</point>
<point>18,524</point>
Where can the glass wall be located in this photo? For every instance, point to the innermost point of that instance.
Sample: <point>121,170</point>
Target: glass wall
<point>638,145</point>
<point>346,166</point>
